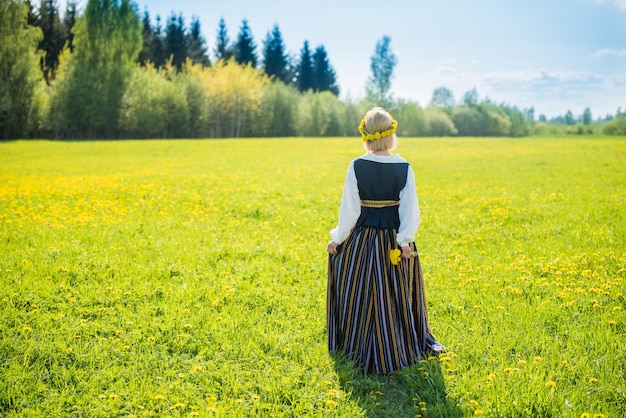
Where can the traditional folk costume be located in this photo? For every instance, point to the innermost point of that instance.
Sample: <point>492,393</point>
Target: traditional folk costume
<point>376,306</point>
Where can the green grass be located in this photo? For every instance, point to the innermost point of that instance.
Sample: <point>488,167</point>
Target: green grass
<point>182,278</point>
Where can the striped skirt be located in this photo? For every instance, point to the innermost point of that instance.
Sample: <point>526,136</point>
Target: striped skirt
<point>376,312</point>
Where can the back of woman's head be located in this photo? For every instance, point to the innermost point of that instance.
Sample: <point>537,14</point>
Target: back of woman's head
<point>378,130</point>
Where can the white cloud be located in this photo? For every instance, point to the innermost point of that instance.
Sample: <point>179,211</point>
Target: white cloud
<point>550,92</point>
<point>443,70</point>
<point>619,3</point>
<point>609,52</point>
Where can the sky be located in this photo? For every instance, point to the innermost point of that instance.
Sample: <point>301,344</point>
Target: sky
<point>553,55</point>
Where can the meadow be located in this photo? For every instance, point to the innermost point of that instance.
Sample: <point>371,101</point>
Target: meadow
<point>188,278</point>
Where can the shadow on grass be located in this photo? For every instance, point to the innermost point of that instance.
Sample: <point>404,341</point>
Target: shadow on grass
<point>414,391</point>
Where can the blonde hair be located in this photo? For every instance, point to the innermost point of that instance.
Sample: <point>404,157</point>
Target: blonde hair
<point>378,119</point>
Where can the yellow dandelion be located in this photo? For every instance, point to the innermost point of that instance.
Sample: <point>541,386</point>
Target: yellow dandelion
<point>113,396</point>
<point>238,401</point>
<point>286,350</point>
<point>425,375</point>
<point>585,415</point>
<point>102,396</point>
<point>68,350</point>
<point>330,403</point>
<point>473,402</point>
<point>521,362</point>
<point>188,326</point>
<point>478,412</point>
<point>593,380</point>
<point>598,415</point>
<point>611,322</point>
<point>5,300</point>
<point>537,358</point>
<point>215,302</point>
<point>159,397</point>
<point>27,329</point>
<point>394,256</point>
<point>491,377</point>
<point>193,414</point>
<point>551,384</point>
<point>255,397</point>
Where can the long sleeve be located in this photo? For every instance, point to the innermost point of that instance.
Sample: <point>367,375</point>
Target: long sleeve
<point>350,208</point>
<point>408,211</point>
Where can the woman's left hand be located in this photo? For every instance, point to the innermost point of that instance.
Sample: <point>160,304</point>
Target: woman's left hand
<point>332,247</point>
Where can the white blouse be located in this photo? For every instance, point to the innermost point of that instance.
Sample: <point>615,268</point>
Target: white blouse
<point>350,208</point>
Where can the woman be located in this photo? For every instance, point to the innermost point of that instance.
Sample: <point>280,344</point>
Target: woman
<point>376,310</point>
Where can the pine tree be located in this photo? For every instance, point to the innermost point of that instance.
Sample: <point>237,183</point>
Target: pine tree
<point>159,44</point>
<point>245,49</point>
<point>69,20</point>
<point>304,73</point>
<point>147,35</point>
<point>175,41</point>
<point>54,37</point>
<point>196,44</point>
<point>32,17</point>
<point>274,57</point>
<point>324,78</point>
<point>223,51</point>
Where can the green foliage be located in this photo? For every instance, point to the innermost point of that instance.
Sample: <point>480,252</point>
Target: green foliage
<point>19,75</point>
<point>162,278</point>
<point>278,110</point>
<point>469,121</point>
<point>233,98</point>
<point>439,123</point>
<point>412,119</point>
<point>154,106</point>
<point>87,100</point>
<point>382,65</point>
<point>616,126</point>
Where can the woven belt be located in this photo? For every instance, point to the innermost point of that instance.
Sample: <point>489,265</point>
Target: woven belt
<point>379,203</point>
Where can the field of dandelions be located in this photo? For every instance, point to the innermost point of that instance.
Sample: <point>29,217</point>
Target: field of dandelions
<point>188,278</point>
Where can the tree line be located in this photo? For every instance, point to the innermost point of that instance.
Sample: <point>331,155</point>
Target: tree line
<point>107,72</point>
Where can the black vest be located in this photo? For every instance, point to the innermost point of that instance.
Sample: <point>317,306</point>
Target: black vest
<point>380,181</point>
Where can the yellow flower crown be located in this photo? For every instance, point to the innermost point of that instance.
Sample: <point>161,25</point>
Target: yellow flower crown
<point>366,136</point>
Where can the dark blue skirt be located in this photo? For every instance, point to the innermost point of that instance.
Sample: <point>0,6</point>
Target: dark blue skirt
<point>376,312</point>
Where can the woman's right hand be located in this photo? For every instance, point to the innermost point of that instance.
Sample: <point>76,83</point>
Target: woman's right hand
<point>332,247</point>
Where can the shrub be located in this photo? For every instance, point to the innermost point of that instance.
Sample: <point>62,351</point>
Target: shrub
<point>439,123</point>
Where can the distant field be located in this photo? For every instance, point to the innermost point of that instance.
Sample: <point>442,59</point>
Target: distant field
<point>188,278</point>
